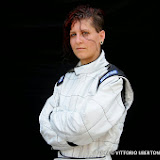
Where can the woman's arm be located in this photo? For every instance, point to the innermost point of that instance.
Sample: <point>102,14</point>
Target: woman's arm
<point>101,112</point>
<point>49,135</point>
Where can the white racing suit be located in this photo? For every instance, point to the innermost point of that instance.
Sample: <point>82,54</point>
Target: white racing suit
<point>84,117</point>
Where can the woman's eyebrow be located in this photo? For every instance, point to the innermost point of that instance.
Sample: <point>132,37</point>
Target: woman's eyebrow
<point>72,31</point>
<point>85,29</point>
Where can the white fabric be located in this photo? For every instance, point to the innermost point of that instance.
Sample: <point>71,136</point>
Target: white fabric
<point>105,158</point>
<point>84,115</point>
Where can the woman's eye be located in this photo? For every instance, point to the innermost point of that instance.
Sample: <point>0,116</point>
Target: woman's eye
<point>85,33</point>
<point>72,35</point>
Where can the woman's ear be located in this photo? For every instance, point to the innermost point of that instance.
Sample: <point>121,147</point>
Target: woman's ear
<point>102,35</point>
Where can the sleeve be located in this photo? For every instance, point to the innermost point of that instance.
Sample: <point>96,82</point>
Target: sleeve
<point>49,135</point>
<point>102,111</point>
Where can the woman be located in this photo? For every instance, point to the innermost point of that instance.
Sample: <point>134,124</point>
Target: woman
<point>84,117</point>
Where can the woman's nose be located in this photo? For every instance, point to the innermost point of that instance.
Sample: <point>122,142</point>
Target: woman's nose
<point>79,39</point>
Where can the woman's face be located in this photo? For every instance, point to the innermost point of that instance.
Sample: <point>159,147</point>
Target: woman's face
<point>85,40</point>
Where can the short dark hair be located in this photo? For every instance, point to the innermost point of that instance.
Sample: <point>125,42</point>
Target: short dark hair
<point>79,13</point>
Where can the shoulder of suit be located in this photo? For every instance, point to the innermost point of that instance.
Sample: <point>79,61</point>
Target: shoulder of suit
<point>61,79</point>
<point>112,71</point>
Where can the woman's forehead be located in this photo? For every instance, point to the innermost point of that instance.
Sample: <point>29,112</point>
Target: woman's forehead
<point>82,24</point>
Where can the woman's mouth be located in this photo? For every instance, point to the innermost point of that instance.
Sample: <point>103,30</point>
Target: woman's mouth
<point>80,48</point>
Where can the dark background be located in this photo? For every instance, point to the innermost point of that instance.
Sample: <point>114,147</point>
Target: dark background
<point>34,64</point>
